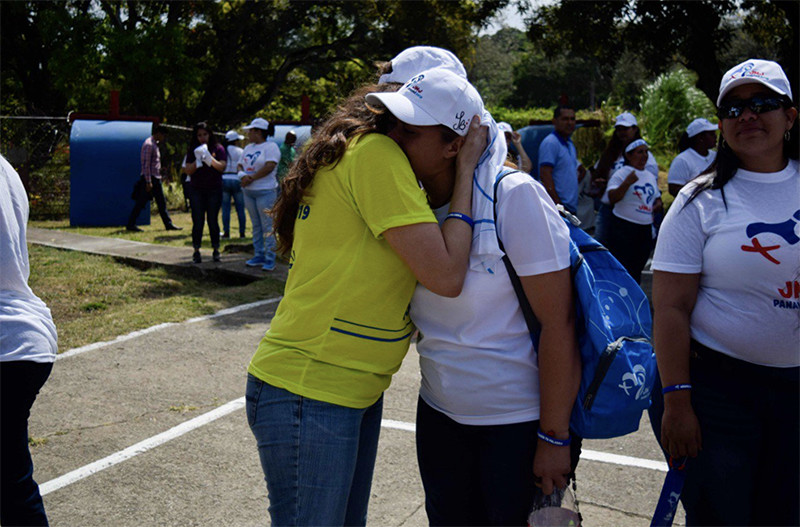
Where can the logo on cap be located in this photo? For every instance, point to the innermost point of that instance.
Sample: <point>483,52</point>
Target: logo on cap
<point>413,85</point>
<point>460,123</point>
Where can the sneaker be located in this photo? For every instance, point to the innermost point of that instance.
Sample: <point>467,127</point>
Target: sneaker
<point>173,228</point>
<point>269,264</point>
<point>256,261</point>
<point>196,258</point>
<point>225,236</point>
<point>133,228</point>
<point>215,256</point>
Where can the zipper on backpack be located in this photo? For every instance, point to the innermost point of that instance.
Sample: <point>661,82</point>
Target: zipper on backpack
<point>603,365</point>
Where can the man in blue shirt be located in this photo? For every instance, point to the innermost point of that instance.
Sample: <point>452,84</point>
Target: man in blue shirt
<point>558,160</point>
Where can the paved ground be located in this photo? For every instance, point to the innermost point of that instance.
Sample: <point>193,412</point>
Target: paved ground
<point>150,430</point>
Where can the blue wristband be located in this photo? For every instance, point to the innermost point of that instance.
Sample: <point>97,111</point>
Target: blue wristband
<point>463,217</point>
<point>552,440</point>
<point>676,388</point>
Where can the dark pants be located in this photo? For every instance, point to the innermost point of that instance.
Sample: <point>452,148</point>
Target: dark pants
<point>601,223</point>
<point>747,470</point>
<point>144,199</point>
<point>205,206</point>
<point>20,501</point>
<point>631,244</point>
<point>477,475</point>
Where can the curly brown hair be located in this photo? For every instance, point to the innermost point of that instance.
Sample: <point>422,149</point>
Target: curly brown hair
<point>326,147</point>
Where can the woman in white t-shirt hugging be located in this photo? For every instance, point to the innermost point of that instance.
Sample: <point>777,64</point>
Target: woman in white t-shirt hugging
<point>633,193</point>
<point>727,315</point>
<point>696,154</point>
<point>257,170</point>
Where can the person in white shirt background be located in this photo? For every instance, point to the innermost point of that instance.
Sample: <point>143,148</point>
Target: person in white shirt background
<point>696,154</point>
<point>28,347</point>
<point>257,171</point>
<point>231,186</point>
<point>633,194</point>
<point>626,129</point>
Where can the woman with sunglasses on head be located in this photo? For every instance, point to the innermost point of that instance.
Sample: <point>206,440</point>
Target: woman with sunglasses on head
<point>727,317</point>
<point>359,233</point>
<point>634,197</point>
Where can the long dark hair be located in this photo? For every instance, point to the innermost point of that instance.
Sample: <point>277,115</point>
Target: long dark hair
<point>727,163</point>
<point>325,148</point>
<point>613,150</point>
<point>212,138</point>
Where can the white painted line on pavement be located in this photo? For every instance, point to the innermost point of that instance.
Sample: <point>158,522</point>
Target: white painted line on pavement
<point>202,420</point>
<point>139,333</point>
<point>139,448</point>
<point>399,425</point>
<point>590,455</point>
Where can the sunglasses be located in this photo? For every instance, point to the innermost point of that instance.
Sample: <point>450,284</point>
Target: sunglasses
<point>757,105</point>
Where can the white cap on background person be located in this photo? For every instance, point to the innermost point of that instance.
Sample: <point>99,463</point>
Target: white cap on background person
<point>233,135</point>
<point>766,72</point>
<point>436,96</point>
<point>258,122</point>
<point>699,126</point>
<point>414,60</point>
<point>626,119</point>
<point>636,144</point>
<point>504,127</point>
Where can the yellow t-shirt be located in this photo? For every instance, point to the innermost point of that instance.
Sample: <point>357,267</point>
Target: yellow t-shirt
<point>342,328</point>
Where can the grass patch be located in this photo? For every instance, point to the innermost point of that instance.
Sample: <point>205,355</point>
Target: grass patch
<point>37,441</point>
<point>95,298</point>
<point>155,233</point>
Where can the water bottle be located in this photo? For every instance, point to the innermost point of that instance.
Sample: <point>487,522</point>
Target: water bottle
<point>559,509</point>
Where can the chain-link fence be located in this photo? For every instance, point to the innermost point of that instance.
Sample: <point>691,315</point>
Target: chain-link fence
<point>38,148</point>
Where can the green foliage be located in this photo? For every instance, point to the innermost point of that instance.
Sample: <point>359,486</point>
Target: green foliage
<point>669,104</point>
<point>222,61</point>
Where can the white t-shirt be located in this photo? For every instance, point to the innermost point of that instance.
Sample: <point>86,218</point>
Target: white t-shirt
<point>688,165</point>
<point>748,257</point>
<point>256,156</point>
<point>651,166</point>
<point>27,331</point>
<point>234,158</point>
<point>477,359</point>
<point>636,205</point>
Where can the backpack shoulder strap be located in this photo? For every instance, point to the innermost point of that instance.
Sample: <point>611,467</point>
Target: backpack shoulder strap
<point>534,327</point>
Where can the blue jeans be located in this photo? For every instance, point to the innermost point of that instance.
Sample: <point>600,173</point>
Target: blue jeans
<point>317,457</point>
<point>746,472</point>
<point>257,203</point>
<point>231,188</point>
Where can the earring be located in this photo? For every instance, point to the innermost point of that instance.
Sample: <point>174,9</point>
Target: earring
<point>723,143</point>
<point>787,136</point>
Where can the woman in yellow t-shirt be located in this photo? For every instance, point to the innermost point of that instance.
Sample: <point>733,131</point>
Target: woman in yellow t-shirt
<point>359,233</point>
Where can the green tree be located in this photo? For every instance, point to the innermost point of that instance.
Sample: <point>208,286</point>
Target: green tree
<point>225,60</point>
<point>696,34</point>
<point>669,104</point>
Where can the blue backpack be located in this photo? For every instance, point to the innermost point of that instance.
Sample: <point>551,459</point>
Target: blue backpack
<point>614,327</point>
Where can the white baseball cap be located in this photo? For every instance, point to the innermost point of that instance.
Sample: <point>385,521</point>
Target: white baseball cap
<point>626,119</point>
<point>435,96</point>
<point>636,144</point>
<point>233,135</point>
<point>766,72</point>
<point>413,60</point>
<point>504,127</point>
<point>699,126</point>
<point>258,122</point>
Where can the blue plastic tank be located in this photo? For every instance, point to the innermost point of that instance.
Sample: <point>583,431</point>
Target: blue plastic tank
<point>104,166</point>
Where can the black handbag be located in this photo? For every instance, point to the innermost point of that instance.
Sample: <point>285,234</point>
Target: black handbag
<point>140,190</point>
